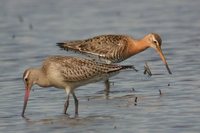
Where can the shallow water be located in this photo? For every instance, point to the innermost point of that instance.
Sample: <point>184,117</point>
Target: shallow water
<point>30,29</point>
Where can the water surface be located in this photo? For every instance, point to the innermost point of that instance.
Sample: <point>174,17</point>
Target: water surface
<point>30,29</point>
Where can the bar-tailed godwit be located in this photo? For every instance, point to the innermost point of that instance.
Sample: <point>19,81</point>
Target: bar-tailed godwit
<point>67,73</point>
<point>115,48</point>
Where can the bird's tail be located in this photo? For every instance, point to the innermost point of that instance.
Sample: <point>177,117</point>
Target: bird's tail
<point>70,45</point>
<point>61,45</point>
<point>129,67</point>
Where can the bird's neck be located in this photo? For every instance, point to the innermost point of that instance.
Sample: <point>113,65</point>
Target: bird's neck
<point>42,79</point>
<point>137,46</point>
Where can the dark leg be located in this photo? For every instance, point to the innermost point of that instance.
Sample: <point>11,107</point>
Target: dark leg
<point>76,103</point>
<point>66,104</point>
<point>107,87</point>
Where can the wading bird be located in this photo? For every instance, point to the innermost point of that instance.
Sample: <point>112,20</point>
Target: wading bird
<point>115,48</point>
<point>68,73</point>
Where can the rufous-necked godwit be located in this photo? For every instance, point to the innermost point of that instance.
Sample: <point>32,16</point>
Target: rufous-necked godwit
<point>67,73</point>
<point>115,48</point>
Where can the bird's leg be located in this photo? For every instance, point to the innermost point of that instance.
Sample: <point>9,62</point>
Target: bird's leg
<point>76,103</point>
<point>66,104</point>
<point>107,87</point>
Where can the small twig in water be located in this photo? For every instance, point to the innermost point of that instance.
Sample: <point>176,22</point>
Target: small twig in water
<point>136,101</point>
<point>160,92</point>
<point>147,69</point>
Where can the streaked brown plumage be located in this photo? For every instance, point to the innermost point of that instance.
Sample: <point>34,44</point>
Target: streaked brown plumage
<point>67,73</point>
<point>115,48</point>
<point>106,47</point>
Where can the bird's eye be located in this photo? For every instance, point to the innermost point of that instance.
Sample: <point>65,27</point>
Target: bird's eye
<point>26,79</point>
<point>155,42</point>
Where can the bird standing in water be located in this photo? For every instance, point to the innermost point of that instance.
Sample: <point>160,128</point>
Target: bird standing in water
<point>115,48</point>
<point>68,73</point>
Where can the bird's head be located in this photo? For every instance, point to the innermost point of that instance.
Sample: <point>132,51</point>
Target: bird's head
<point>29,79</point>
<point>155,41</point>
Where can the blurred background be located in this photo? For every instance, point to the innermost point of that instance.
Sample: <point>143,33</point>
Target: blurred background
<point>29,30</point>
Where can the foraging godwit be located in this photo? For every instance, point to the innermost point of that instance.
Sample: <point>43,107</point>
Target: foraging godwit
<point>115,48</point>
<point>67,73</point>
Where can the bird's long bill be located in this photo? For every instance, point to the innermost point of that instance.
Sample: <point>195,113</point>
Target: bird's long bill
<point>163,59</point>
<point>26,96</point>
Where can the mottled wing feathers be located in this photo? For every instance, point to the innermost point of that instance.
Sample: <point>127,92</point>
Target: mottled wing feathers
<point>77,69</point>
<point>108,47</point>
